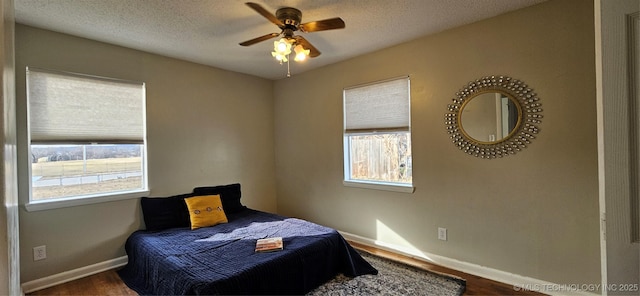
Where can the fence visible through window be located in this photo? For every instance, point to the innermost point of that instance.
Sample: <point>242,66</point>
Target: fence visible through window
<point>73,170</point>
<point>381,157</point>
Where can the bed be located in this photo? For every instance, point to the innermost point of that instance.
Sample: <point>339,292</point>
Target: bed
<point>170,258</point>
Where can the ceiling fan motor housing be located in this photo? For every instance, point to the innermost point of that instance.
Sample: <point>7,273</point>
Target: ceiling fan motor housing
<point>290,17</point>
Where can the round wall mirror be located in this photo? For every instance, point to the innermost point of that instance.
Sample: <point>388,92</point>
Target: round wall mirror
<point>493,117</point>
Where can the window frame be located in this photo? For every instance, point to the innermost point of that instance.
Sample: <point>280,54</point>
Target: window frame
<point>87,199</point>
<point>371,184</point>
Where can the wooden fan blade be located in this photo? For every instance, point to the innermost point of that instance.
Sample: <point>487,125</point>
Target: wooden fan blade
<point>313,52</point>
<point>268,15</point>
<point>259,39</point>
<point>328,24</point>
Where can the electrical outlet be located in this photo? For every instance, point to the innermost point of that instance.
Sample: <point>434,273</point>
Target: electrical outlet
<point>39,253</point>
<point>442,233</point>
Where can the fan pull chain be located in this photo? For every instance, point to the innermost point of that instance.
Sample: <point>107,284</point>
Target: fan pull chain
<point>288,70</point>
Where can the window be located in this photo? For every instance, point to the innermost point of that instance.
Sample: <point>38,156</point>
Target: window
<point>86,139</point>
<point>377,135</point>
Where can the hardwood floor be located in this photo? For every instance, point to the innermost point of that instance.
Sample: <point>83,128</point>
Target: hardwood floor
<point>104,283</point>
<point>475,285</point>
<point>109,283</point>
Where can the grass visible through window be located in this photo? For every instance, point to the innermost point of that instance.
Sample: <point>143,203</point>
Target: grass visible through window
<point>52,178</point>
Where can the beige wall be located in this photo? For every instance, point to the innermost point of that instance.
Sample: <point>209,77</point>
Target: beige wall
<point>533,214</point>
<point>205,126</point>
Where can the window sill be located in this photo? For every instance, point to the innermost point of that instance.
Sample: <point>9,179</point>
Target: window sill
<point>380,186</point>
<point>42,205</point>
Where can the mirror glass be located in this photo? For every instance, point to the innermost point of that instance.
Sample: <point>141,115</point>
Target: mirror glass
<point>489,117</point>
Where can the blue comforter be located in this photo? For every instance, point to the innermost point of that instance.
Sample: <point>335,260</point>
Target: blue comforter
<point>221,259</point>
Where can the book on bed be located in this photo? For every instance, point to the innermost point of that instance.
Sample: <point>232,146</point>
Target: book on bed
<point>270,244</point>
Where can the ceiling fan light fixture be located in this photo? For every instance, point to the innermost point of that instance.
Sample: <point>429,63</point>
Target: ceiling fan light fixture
<point>282,46</point>
<point>281,50</point>
<point>280,57</point>
<point>301,53</point>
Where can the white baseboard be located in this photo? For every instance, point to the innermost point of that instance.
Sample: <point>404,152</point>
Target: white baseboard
<point>518,281</point>
<point>74,274</point>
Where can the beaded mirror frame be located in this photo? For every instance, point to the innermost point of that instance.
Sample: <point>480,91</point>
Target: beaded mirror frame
<point>525,131</point>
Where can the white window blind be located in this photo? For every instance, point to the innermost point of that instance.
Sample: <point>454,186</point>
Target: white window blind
<point>66,107</point>
<point>380,106</point>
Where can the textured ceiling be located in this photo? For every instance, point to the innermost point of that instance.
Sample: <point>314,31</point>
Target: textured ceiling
<point>208,31</point>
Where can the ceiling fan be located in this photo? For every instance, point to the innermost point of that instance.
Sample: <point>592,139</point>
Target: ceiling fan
<point>288,19</point>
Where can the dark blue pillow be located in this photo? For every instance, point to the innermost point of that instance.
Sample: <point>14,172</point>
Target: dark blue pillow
<point>229,194</point>
<point>165,212</point>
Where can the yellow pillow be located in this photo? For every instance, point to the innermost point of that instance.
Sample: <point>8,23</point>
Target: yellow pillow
<point>205,211</point>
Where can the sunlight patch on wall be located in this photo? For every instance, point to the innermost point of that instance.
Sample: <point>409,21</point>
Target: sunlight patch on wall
<point>387,238</point>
